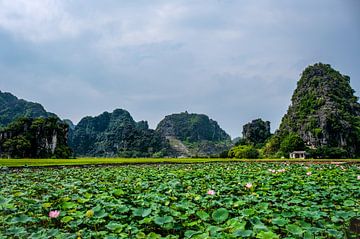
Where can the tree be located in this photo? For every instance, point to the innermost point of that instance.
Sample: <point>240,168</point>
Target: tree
<point>290,143</point>
<point>17,147</point>
<point>244,151</point>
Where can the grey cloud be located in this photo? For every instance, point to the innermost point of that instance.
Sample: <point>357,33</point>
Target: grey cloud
<point>233,60</point>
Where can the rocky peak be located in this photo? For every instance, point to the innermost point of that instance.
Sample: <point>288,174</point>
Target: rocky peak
<point>256,131</point>
<point>324,110</point>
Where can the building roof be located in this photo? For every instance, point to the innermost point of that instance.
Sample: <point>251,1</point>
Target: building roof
<point>298,152</point>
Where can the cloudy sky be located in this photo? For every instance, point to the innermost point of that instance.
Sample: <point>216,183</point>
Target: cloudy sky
<point>234,60</point>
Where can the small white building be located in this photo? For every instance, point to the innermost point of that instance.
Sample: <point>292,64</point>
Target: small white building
<point>298,155</point>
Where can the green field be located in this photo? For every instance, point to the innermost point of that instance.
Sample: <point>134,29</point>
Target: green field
<point>93,161</point>
<point>207,200</point>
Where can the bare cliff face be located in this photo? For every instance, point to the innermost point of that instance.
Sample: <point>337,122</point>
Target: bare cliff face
<point>324,110</point>
<point>194,134</point>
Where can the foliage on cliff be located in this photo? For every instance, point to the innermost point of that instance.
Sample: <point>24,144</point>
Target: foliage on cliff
<point>12,108</point>
<point>35,138</point>
<point>201,135</point>
<point>191,128</point>
<point>256,132</point>
<point>324,113</point>
<point>116,134</point>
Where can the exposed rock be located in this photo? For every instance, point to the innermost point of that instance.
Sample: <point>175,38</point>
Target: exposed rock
<point>199,135</point>
<point>35,138</point>
<point>256,132</point>
<point>116,134</point>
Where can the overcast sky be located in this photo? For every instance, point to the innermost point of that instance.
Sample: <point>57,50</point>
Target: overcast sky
<point>234,60</point>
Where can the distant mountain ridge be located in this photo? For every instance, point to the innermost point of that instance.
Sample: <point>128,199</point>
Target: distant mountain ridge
<point>116,134</point>
<point>12,108</point>
<point>323,119</point>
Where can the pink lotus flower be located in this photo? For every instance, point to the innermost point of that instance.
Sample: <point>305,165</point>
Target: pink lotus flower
<point>211,192</point>
<point>308,173</point>
<point>248,185</point>
<point>54,214</point>
<point>358,177</point>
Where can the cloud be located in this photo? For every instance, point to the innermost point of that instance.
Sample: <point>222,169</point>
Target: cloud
<point>233,60</point>
<point>37,20</point>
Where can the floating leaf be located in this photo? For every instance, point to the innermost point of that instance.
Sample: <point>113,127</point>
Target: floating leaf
<point>242,233</point>
<point>141,212</point>
<point>163,220</point>
<point>294,229</point>
<point>220,215</point>
<point>22,219</point>
<point>68,205</point>
<point>267,235</point>
<point>280,221</point>
<point>202,215</point>
<point>114,226</point>
<point>67,219</point>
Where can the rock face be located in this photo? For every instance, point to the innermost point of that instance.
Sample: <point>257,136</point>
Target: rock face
<point>194,134</point>
<point>12,108</point>
<point>324,110</point>
<point>116,134</point>
<point>256,132</point>
<point>35,138</point>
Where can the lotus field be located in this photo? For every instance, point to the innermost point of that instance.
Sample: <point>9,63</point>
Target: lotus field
<point>208,200</point>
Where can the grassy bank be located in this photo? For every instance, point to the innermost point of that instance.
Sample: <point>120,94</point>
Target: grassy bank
<point>111,161</point>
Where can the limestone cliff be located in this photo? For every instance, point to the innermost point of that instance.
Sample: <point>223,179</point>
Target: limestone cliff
<point>324,111</point>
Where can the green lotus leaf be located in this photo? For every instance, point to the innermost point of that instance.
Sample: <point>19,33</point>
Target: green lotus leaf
<point>68,205</point>
<point>220,215</point>
<point>202,215</point>
<point>141,212</point>
<point>242,233</point>
<point>163,220</point>
<point>22,219</point>
<point>294,229</point>
<point>267,235</point>
<point>66,219</point>
<point>280,221</point>
<point>114,226</point>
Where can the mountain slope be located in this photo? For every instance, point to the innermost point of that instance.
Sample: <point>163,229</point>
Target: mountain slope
<point>200,135</point>
<point>324,111</point>
<point>116,134</point>
<point>12,108</point>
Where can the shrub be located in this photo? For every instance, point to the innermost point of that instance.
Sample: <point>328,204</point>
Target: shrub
<point>244,151</point>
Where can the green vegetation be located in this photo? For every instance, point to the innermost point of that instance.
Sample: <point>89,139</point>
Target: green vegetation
<point>217,200</point>
<point>35,138</point>
<point>12,108</point>
<point>116,134</point>
<point>244,152</point>
<point>291,142</point>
